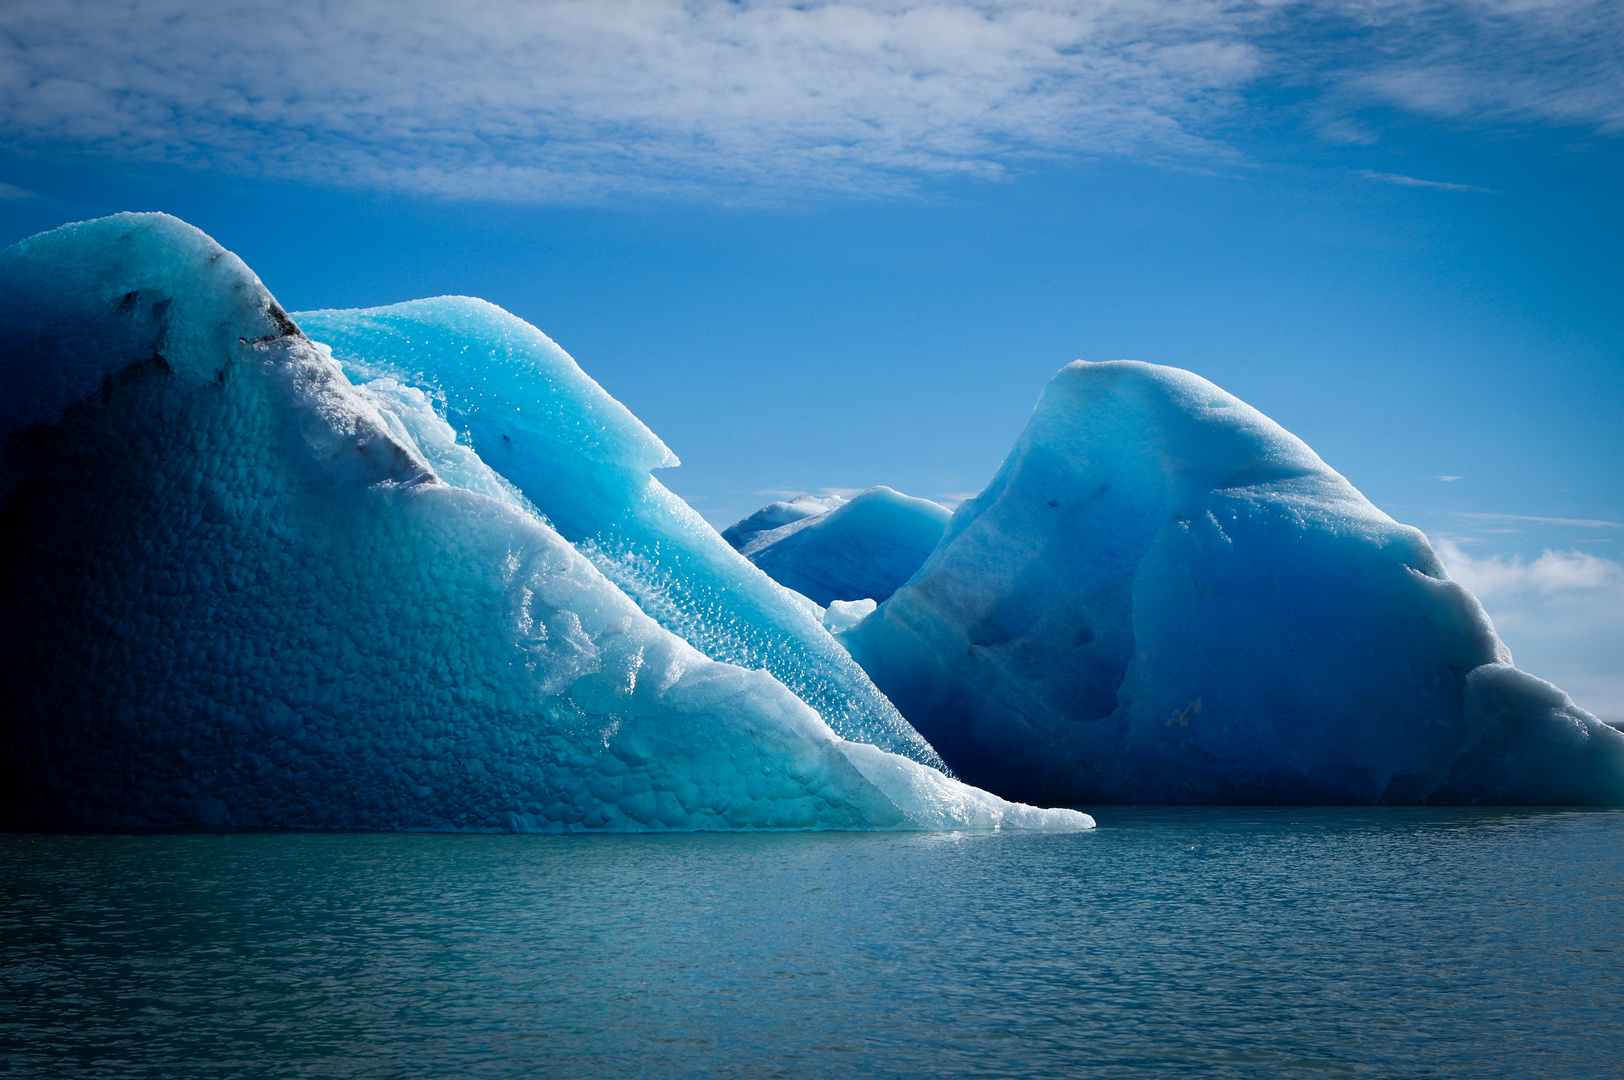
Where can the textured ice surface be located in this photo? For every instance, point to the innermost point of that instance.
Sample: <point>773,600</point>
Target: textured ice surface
<point>582,459</point>
<point>1165,597</point>
<point>235,589</point>
<point>861,549</point>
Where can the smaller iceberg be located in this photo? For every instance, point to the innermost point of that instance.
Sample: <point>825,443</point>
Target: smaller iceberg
<point>862,549</point>
<point>776,514</point>
<point>1165,597</point>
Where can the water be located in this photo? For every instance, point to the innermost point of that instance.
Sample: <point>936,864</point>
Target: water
<point>1224,943</point>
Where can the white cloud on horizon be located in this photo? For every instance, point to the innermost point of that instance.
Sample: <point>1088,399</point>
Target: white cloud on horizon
<point>578,99</point>
<point>1561,614</point>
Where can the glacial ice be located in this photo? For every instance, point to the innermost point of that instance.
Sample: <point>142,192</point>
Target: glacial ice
<point>861,549</point>
<point>842,615</point>
<point>776,514</point>
<point>237,589</point>
<point>1163,596</point>
<point>521,406</point>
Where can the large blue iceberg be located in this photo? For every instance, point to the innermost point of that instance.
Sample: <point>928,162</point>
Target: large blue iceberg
<point>860,549</point>
<point>237,588</point>
<point>1163,596</point>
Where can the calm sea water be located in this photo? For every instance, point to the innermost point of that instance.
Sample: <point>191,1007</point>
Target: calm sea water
<point>1224,943</point>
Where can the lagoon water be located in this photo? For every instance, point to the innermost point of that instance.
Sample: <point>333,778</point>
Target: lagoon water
<point>1217,942</point>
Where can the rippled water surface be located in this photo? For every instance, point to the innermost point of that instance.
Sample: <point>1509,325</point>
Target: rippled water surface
<point>1227,943</point>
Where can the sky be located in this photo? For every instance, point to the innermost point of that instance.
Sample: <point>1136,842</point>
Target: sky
<point>822,246</point>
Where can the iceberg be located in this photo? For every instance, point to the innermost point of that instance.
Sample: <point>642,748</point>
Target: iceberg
<point>776,514</point>
<point>520,405</point>
<point>1164,597</point>
<point>238,589</point>
<point>862,549</point>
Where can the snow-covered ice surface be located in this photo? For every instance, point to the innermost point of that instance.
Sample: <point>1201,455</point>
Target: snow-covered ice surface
<point>1163,596</point>
<point>861,549</point>
<point>520,405</point>
<point>236,589</point>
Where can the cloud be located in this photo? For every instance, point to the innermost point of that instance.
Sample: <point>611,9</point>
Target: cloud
<point>1553,572</point>
<point>562,100</point>
<point>1410,181</point>
<point>1488,61</point>
<point>1581,523</point>
<point>1561,614</point>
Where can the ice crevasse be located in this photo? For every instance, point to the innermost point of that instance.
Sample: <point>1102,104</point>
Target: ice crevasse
<point>1163,596</point>
<point>238,587</point>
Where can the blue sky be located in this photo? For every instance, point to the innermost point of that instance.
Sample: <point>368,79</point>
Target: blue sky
<point>824,246</point>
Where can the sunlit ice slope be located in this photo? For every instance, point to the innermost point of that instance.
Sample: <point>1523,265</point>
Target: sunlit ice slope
<point>237,589</point>
<point>1163,596</point>
<point>579,457</point>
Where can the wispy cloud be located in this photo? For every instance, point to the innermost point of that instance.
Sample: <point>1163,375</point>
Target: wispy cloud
<point>578,99</point>
<point>1581,523</point>
<point>10,193</point>
<point>1488,61</point>
<point>1410,181</point>
<point>1562,615</point>
<point>564,98</point>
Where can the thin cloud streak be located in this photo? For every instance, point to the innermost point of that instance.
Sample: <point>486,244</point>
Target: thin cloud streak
<point>1410,181</point>
<point>1582,523</point>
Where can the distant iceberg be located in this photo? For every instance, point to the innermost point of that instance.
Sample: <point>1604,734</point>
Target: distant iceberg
<point>1163,597</point>
<point>861,549</point>
<point>238,589</point>
<point>777,514</point>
